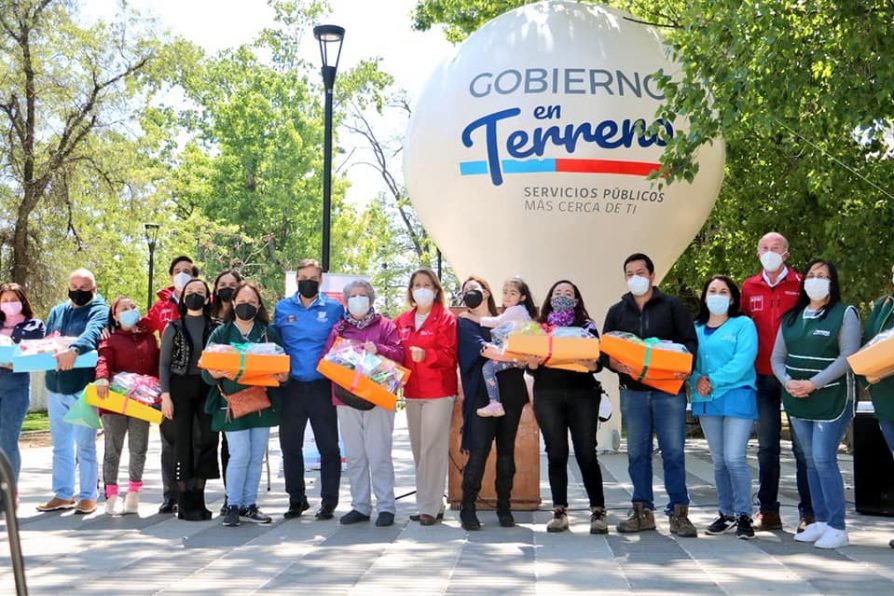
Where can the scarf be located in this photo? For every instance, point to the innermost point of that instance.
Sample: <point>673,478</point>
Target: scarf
<point>560,318</point>
<point>367,320</point>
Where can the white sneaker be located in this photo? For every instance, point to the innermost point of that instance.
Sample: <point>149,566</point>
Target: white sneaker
<point>832,539</point>
<point>132,503</point>
<point>494,409</point>
<point>111,503</point>
<point>813,532</point>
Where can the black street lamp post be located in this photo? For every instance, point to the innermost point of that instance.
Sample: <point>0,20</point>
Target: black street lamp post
<point>330,38</point>
<point>151,240</point>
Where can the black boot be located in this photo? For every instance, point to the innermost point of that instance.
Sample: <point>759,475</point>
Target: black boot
<point>201,510</point>
<point>183,500</point>
<point>504,512</point>
<point>469,519</point>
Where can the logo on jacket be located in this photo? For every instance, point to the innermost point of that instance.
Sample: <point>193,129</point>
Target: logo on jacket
<point>322,317</point>
<point>823,332</point>
<point>757,303</point>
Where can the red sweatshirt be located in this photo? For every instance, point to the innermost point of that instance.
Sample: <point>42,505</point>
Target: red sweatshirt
<point>162,312</point>
<point>435,376</point>
<point>765,306</point>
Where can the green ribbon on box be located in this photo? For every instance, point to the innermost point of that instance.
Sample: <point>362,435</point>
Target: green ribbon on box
<point>648,342</point>
<point>241,348</point>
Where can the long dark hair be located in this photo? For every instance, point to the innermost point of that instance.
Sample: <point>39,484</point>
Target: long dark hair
<point>262,316</point>
<point>217,305</point>
<point>581,316</point>
<point>181,305</point>
<point>525,291</point>
<point>491,305</point>
<point>735,299</point>
<point>19,291</point>
<point>803,299</point>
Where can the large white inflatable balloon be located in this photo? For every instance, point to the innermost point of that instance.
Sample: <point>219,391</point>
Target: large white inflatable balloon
<point>525,154</point>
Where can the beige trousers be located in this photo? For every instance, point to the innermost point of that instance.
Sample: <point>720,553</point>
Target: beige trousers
<point>428,421</point>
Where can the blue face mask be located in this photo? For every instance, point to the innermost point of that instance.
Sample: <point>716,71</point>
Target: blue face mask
<point>129,318</point>
<point>717,304</point>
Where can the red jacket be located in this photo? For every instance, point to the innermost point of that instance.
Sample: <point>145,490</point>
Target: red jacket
<point>127,352</point>
<point>765,306</point>
<point>435,376</point>
<point>162,312</point>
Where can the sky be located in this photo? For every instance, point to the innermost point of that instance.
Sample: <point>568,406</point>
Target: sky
<point>372,28</point>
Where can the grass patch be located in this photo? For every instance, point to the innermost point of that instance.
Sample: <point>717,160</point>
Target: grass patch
<point>36,421</point>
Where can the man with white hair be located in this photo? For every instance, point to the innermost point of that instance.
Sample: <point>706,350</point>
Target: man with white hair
<point>765,298</point>
<point>83,316</point>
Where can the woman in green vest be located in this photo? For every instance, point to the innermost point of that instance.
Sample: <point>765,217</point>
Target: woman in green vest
<point>247,322</point>
<point>810,360</point>
<point>882,392</point>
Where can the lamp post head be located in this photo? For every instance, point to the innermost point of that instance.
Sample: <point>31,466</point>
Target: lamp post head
<point>151,230</point>
<point>330,38</point>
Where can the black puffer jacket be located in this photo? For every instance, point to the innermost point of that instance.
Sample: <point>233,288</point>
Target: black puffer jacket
<point>663,316</point>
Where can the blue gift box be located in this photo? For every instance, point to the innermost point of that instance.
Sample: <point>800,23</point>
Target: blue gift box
<point>47,361</point>
<point>7,352</point>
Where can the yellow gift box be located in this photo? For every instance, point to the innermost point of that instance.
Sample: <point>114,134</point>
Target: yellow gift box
<point>121,404</point>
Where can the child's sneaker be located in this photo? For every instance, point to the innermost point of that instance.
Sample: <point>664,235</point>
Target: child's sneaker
<point>131,503</point>
<point>111,504</point>
<point>494,409</point>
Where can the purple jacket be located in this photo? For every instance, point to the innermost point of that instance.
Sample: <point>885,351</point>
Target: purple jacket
<point>382,332</point>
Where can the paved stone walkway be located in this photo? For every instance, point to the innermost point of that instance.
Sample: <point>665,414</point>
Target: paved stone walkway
<point>151,554</point>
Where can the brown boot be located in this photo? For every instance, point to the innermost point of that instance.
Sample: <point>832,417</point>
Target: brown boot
<point>804,522</point>
<point>598,523</point>
<point>680,524</point>
<point>767,521</point>
<point>641,519</point>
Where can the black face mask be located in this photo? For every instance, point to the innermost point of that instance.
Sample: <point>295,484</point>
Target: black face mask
<point>194,301</point>
<point>473,298</point>
<point>80,297</point>
<point>308,288</point>
<point>245,311</point>
<point>225,294</point>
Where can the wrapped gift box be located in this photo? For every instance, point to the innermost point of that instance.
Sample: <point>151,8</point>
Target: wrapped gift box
<point>7,352</point>
<point>248,368</point>
<point>552,347</point>
<point>876,359</point>
<point>46,361</point>
<point>120,403</point>
<point>350,366</point>
<point>654,362</point>
<point>358,384</point>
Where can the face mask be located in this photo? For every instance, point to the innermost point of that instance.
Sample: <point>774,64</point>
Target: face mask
<point>245,311</point>
<point>80,297</point>
<point>638,285</point>
<point>771,261</point>
<point>308,288</point>
<point>11,309</point>
<point>129,318</point>
<point>562,303</point>
<point>717,304</point>
<point>225,294</point>
<point>423,297</point>
<point>181,279</point>
<point>194,301</point>
<point>473,298</point>
<point>358,306</point>
<point>892,279</point>
<point>816,288</point>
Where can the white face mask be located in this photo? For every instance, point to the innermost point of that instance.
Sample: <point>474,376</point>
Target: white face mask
<point>892,279</point>
<point>358,306</point>
<point>816,288</point>
<point>423,297</point>
<point>771,261</point>
<point>181,279</point>
<point>638,285</point>
<point>717,304</point>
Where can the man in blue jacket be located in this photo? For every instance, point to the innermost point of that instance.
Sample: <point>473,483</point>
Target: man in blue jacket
<point>304,322</point>
<point>83,316</point>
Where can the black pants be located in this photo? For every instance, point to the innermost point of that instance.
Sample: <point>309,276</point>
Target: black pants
<point>559,411</point>
<point>167,462</point>
<point>502,430</point>
<point>195,444</point>
<point>302,402</point>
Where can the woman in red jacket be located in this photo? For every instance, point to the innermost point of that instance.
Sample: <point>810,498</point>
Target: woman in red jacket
<point>428,334</point>
<point>132,349</point>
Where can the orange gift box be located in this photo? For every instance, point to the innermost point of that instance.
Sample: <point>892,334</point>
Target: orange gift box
<point>662,364</point>
<point>554,348</point>
<point>358,384</point>
<point>876,359</point>
<point>256,369</point>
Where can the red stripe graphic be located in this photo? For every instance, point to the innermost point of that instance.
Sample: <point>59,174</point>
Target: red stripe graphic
<point>606,166</point>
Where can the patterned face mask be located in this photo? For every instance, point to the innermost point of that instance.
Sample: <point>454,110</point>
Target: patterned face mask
<point>562,303</point>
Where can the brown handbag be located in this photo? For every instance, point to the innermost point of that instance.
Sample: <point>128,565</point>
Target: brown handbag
<point>248,401</point>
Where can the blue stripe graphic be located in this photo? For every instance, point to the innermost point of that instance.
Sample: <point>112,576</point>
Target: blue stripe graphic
<point>510,166</point>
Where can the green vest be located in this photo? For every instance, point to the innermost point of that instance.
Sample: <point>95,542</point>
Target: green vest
<point>882,393</point>
<point>812,346</point>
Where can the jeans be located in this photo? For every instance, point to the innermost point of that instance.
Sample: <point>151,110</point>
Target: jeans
<point>769,428</point>
<point>247,448</point>
<point>728,438</point>
<point>820,440</point>
<point>502,429</point>
<point>559,411</point>
<point>644,413</point>
<point>73,446</point>
<point>302,402</point>
<point>887,427</point>
<point>15,396</point>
